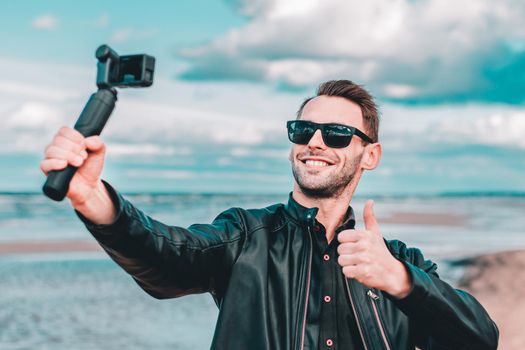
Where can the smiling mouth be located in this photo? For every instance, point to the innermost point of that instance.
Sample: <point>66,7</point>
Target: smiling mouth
<point>315,163</point>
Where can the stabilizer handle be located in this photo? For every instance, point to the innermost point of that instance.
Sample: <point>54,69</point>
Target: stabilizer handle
<point>90,122</point>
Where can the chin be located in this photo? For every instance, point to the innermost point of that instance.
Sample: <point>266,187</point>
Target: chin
<point>319,192</point>
<point>316,186</point>
<point>321,187</point>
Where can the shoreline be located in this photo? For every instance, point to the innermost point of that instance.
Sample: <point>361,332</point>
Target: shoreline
<point>48,246</point>
<point>10,247</point>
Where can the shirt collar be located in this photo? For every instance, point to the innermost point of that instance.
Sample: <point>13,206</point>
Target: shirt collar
<point>306,216</point>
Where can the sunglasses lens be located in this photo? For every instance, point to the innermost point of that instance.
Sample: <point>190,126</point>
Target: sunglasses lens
<point>334,135</point>
<point>300,132</point>
<point>337,136</point>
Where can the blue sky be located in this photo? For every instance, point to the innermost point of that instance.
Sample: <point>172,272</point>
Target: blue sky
<point>449,78</point>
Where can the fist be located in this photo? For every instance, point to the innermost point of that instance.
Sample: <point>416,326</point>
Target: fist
<point>364,256</point>
<point>69,147</point>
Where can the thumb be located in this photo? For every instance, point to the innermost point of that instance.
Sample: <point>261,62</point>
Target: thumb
<point>94,144</point>
<point>93,164</point>
<point>369,217</point>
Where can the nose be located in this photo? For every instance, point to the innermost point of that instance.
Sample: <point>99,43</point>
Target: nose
<point>317,140</point>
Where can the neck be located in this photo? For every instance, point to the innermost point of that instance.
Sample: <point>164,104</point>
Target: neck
<point>332,210</point>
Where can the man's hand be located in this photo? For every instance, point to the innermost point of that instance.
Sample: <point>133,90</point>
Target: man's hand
<point>363,255</point>
<point>86,191</point>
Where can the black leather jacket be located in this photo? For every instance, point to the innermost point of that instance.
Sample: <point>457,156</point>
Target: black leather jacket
<point>256,265</point>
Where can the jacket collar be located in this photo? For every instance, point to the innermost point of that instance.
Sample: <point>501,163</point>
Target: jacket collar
<point>306,216</point>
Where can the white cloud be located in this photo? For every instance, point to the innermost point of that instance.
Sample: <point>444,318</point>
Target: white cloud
<point>121,35</point>
<point>102,21</point>
<point>26,81</point>
<point>32,90</point>
<point>34,116</point>
<point>246,119</point>
<point>399,90</point>
<point>28,127</point>
<point>164,174</point>
<point>149,149</point>
<point>243,152</point>
<point>45,22</point>
<point>37,98</point>
<point>234,135</point>
<point>175,122</point>
<point>497,130</point>
<point>185,174</point>
<point>240,152</point>
<point>400,48</point>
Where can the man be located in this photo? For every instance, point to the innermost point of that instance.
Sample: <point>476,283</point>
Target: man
<point>294,276</point>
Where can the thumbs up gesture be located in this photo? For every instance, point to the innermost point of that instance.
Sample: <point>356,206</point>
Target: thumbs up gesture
<point>364,256</point>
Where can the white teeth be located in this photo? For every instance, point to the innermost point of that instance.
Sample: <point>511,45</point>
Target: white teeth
<point>316,163</point>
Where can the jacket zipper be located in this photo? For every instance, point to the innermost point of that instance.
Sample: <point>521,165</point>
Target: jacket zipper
<point>308,277</point>
<point>355,314</point>
<point>373,296</point>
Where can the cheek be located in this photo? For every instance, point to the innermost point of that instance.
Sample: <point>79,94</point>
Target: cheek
<point>349,158</point>
<point>341,157</point>
<point>294,151</point>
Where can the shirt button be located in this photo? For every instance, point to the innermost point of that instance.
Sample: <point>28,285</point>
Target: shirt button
<point>329,342</point>
<point>326,257</point>
<point>327,299</point>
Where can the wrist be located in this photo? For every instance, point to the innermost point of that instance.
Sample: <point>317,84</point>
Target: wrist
<point>98,206</point>
<point>401,284</point>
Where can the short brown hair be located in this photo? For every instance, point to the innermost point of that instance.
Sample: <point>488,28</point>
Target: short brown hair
<point>355,93</point>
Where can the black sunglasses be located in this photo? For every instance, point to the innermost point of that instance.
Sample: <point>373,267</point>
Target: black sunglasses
<point>334,135</point>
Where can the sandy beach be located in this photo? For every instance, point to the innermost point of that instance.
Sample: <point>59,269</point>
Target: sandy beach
<point>51,246</point>
<point>498,282</point>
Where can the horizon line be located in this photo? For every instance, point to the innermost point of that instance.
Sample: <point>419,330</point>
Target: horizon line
<point>495,193</point>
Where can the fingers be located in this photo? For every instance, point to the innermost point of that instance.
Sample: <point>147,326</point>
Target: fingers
<point>349,248</point>
<point>69,147</point>
<point>361,273</point>
<point>52,164</point>
<point>353,259</point>
<point>56,152</point>
<point>70,134</point>
<point>94,144</point>
<point>350,271</point>
<point>350,236</point>
<point>68,144</point>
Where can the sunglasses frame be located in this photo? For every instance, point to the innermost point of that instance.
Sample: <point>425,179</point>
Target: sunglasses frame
<point>317,126</point>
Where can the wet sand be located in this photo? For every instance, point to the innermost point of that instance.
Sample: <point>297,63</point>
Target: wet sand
<point>27,247</point>
<point>498,282</point>
<point>432,219</point>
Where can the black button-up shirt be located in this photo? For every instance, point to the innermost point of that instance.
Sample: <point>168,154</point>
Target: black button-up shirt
<point>330,320</point>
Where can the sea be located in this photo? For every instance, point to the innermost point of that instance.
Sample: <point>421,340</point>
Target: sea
<point>83,300</point>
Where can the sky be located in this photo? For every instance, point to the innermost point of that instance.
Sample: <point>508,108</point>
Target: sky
<point>448,77</point>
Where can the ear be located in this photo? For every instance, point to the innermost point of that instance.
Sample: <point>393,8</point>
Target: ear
<point>371,156</point>
<point>290,155</point>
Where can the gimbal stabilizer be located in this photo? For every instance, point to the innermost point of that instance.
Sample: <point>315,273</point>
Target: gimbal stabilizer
<point>112,71</point>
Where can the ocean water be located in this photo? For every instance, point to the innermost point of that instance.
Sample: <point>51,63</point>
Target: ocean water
<point>84,301</point>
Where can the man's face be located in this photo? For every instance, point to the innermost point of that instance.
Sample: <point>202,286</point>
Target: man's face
<point>321,171</point>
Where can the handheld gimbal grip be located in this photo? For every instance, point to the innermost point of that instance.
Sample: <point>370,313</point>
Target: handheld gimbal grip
<point>90,122</point>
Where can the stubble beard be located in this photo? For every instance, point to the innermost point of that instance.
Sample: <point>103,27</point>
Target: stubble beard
<point>329,186</point>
